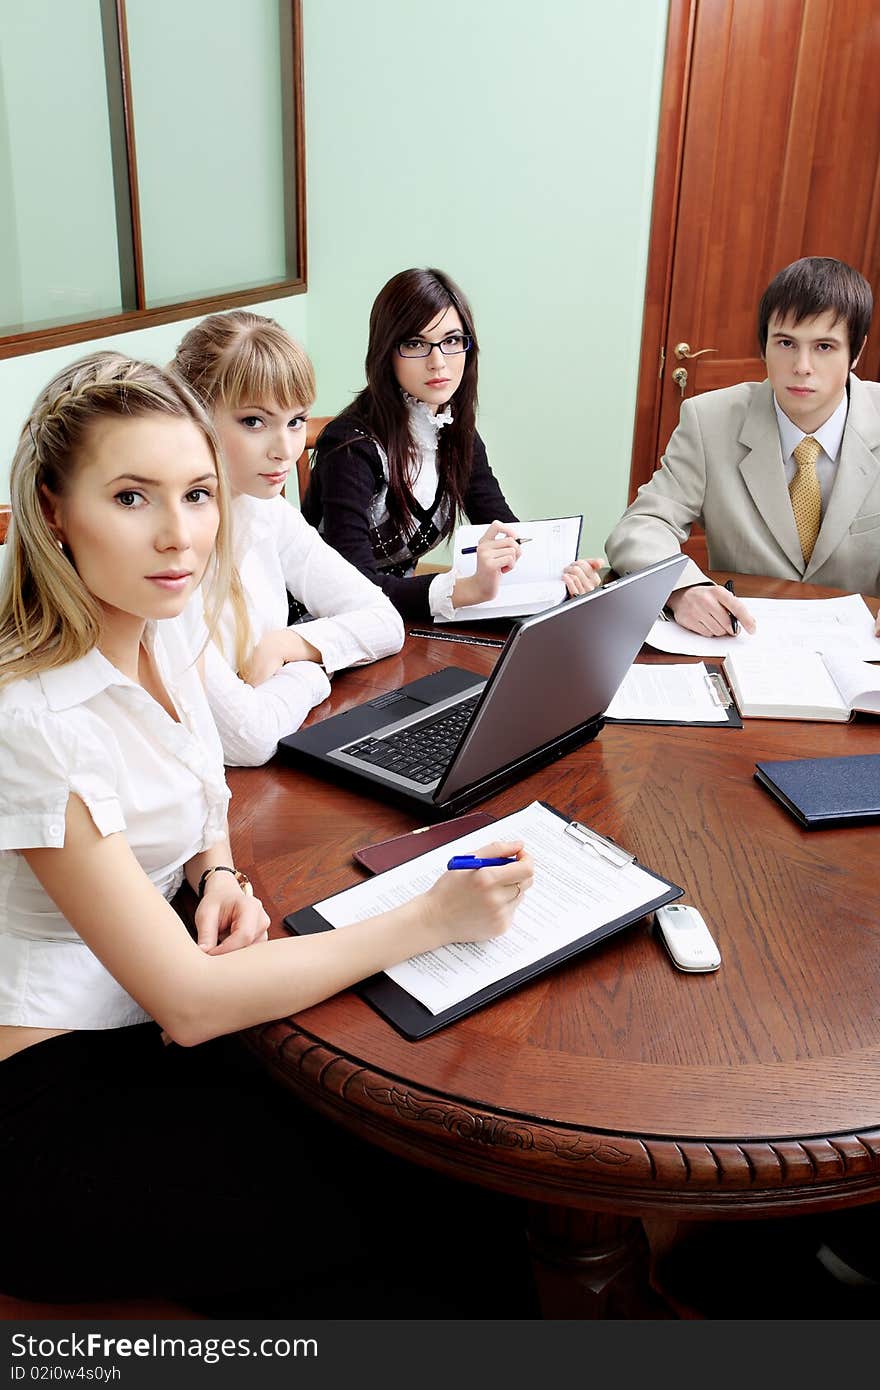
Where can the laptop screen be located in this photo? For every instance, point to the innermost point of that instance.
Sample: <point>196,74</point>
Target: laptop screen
<point>558,672</point>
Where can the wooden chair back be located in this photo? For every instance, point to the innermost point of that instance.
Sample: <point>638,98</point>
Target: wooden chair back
<point>304,463</point>
<point>5,516</point>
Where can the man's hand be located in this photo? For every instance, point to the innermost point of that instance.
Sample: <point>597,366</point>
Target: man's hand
<point>706,609</point>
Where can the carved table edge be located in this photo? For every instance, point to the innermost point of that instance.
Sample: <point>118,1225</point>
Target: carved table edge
<point>552,1162</point>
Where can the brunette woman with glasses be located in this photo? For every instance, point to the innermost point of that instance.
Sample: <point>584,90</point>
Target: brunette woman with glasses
<point>395,470</point>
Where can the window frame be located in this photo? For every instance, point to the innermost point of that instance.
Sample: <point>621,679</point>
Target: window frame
<point>124,158</point>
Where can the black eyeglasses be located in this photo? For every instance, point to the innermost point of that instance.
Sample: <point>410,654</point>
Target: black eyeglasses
<point>423,347</point>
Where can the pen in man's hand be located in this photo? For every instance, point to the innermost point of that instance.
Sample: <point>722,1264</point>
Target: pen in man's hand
<point>472,549</point>
<point>472,861</point>
<point>734,625</point>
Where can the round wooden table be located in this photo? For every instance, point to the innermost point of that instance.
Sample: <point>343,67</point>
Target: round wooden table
<point>616,1087</point>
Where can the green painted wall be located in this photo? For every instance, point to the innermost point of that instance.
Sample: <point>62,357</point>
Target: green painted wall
<point>218,162</point>
<point>511,145</point>
<point>22,378</point>
<point>514,148</point>
<point>58,224</point>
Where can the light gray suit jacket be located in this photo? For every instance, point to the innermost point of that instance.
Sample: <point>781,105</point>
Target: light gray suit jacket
<point>723,468</point>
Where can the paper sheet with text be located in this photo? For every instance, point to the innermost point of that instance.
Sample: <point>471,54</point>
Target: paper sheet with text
<point>575,893</point>
<point>680,693</point>
<point>843,624</point>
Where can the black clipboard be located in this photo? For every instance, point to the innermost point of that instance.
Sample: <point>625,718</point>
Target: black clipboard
<point>734,721</point>
<point>414,1021</point>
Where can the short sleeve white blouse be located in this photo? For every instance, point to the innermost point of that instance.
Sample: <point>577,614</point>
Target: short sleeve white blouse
<point>86,729</point>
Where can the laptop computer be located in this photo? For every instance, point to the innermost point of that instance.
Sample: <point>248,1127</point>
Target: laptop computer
<point>450,739</point>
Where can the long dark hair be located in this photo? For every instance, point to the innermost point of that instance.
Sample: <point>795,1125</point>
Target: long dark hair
<point>402,308</point>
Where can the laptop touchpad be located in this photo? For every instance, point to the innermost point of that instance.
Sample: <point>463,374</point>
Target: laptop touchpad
<point>398,706</point>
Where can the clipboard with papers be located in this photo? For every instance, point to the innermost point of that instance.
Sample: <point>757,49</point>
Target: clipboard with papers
<point>694,693</point>
<point>586,888</point>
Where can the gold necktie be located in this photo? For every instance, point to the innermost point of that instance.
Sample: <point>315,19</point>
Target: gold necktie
<point>806,499</point>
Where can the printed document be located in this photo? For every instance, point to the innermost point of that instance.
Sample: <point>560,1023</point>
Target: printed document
<point>843,625</point>
<point>681,693</point>
<point>576,891</point>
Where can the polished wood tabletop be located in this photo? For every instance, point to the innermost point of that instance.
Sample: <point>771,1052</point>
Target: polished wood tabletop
<point>615,1083</point>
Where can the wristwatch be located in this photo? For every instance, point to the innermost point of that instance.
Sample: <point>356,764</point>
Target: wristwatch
<point>241,879</point>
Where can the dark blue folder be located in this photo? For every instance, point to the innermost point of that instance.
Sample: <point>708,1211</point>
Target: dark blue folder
<point>822,792</point>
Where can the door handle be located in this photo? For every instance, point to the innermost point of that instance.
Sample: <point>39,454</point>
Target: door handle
<point>680,377</point>
<point>683,350</point>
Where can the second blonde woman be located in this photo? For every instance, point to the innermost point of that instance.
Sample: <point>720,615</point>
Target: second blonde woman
<point>263,674</point>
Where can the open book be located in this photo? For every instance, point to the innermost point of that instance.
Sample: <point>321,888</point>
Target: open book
<point>802,685</point>
<point>535,582</point>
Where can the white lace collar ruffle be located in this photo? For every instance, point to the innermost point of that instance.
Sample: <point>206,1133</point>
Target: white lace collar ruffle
<point>424,424</point>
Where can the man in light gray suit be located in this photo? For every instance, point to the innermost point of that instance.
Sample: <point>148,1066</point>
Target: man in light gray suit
<point>736,464</point>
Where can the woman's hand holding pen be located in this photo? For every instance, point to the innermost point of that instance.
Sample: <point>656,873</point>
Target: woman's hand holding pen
<point>477,904</point>
<point>497,553</point>
<point>708,608</point>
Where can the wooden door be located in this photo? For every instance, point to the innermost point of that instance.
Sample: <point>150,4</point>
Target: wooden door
<point>769,149</point>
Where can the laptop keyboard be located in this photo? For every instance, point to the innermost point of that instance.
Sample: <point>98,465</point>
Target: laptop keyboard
<point>421,752</point>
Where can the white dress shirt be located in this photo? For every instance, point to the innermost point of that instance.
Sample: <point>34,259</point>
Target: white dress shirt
<point>277,551</point>
<point>86,729</point>
<point>829,437</point>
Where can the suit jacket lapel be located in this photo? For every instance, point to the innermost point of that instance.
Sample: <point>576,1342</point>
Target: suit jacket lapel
<point>857,470</point>
<point>764,476</point>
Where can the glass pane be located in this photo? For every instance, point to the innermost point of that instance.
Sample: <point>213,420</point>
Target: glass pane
<point>207,100</point>
<point>59,262</point>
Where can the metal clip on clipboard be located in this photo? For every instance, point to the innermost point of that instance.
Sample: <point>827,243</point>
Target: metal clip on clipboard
<point>718,689</point>
<point>606,848</point>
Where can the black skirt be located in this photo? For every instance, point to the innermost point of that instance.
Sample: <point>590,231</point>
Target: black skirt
<point>134,1168</point>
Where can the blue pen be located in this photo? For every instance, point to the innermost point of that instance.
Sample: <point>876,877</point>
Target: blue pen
<point>471,861</point>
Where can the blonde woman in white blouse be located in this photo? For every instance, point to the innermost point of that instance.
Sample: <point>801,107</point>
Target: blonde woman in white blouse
<point>262,675</point>
<point>133,1139</point>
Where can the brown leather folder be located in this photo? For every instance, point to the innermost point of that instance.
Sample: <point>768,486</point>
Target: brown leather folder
<point>386,854</point>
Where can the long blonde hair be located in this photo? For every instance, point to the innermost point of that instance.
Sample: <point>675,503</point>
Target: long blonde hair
<point>48,617</point>
<point>240,358</point>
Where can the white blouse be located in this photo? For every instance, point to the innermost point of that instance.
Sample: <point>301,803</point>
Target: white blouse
<point>86,729</point>
<point>276,550</point>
